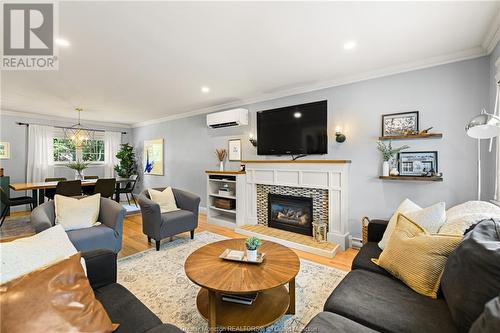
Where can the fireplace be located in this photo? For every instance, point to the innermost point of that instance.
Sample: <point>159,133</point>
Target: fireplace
<point>290,213</point>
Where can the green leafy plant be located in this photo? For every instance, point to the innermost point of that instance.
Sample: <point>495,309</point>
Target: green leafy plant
<point>387,151</point>
<point>253,243</point>
<point>78,166</point>
<point>126,166</point>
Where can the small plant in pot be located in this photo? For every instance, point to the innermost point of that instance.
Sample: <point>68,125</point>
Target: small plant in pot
<point>252,244</point>
<point>388,154</point>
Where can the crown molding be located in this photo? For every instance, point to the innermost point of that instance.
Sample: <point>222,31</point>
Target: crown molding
<point>493,36</point>
<point>39,116</point>
<point>388,71</point>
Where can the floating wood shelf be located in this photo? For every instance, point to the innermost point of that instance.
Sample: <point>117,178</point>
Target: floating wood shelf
<point>228,172</point>
<point>413,178</point>
<point>296,161</point>
<point>411,137</point>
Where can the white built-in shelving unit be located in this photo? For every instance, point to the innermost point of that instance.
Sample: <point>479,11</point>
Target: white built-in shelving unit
<point>235,182</point>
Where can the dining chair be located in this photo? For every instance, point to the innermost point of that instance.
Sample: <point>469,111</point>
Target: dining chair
<point>50,192</point>
<point>105,186</point>
<point>70,188</point>
<point>89,189</point>
<point>11,202</point>
<point>128,189</point>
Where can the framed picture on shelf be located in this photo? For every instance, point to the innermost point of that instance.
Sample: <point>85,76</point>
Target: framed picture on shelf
<point>4,150</point>
<point>234,150</point>
<point>397,124</point>
<point>417,163</point>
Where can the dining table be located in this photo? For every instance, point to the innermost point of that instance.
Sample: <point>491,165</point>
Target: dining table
<point>38,188</point>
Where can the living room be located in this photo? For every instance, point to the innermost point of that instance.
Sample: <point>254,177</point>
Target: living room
<point>250,166</point>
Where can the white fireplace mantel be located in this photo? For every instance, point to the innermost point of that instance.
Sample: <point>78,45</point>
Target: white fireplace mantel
<point>332,175</point>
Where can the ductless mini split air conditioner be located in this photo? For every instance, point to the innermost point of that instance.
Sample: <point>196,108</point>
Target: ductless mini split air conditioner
<point>228,118</point>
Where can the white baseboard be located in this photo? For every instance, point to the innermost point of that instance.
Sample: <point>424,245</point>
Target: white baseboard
<point>356,242</point>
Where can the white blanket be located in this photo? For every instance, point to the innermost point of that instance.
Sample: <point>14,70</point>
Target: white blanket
<point>25,255</point>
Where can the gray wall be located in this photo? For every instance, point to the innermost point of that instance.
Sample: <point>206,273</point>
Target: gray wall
<point>489,158</point>
<point>15,167</point>
<point>447,97</point>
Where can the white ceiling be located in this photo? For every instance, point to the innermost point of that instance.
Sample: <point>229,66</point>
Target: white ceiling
<point>131,62</point>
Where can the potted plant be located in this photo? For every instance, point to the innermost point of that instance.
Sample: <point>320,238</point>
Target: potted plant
<point>252,244</point>
<point>78,166</point>
<point>221,155</point>
<point>387,154</point>
<point>126,166</point>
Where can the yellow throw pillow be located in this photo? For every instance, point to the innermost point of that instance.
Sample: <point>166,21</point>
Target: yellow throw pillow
<point>417,257</point>
<point>74,213</point>
<point>165,199</point>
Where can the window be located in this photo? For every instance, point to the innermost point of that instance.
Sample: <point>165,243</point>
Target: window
<point>65,151</point>
<point>94,151</point>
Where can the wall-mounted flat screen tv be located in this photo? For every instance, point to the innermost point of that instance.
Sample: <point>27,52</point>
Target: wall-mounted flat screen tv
<point>293,130</point>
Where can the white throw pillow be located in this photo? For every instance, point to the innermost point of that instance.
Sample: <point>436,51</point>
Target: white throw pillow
<point>72,213</point>
<point>405,207</point>
<point>463,216</point>
<point>473,207</point>
<point>25,255</point>
<point>165,199</point>
<point>430,218</point>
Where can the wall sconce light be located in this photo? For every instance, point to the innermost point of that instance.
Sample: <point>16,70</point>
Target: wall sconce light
<point>252,140</point>
<point>339,137</point>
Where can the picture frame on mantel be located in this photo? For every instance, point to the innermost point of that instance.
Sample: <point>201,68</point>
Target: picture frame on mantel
<point>399,124</point>
<point>4,150</point>
<point>234,150</point>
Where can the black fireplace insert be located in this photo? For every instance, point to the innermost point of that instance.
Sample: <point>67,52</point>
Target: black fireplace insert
<point>290,213</point>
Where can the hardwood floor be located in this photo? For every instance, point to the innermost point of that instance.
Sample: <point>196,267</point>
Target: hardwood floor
<point>135,241</point>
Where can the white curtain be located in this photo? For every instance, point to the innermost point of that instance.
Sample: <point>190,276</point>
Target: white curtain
<point>112,141</point>
<point>40,153</point>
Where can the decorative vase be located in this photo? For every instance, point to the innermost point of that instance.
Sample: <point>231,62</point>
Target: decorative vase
<point>221,166</point>
<point>78,175</point>
<point>385,169</point>
<point>251,255</point>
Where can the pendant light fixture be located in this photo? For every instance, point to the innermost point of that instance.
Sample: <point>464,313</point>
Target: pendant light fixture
<point>79,135</point>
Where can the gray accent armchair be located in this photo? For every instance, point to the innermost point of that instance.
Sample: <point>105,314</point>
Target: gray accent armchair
<point>108,235</point>
<point>157,226</point>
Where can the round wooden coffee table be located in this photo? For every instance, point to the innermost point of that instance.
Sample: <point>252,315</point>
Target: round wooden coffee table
<point>217,276</point>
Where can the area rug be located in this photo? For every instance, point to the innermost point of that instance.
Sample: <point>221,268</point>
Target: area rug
<point>157,278</point>
<point>14,227</point>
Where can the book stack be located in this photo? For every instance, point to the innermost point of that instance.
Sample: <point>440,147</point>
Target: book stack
<point>246,299</point>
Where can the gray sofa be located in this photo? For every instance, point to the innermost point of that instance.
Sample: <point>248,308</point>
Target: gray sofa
<point>121,305</point>
<point>108,235</point>
<point>158,226</point>
<point>369,299</point>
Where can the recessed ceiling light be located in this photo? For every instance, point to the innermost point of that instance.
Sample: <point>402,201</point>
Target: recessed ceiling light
<point>297,114</point>
<point>62,42</point>
<point>205,89</point>
<point>349,45</point>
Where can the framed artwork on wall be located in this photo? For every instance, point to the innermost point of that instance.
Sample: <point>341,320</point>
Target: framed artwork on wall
<point>153,157</point>
<point>396,124</point>
<point>234,150</point>
<point>4,150</point>
<point>417,163</point>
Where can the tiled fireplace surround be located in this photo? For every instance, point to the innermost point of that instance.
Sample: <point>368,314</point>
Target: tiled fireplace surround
<point>326,181</point>
<point>319,196</point>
